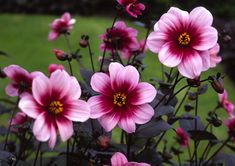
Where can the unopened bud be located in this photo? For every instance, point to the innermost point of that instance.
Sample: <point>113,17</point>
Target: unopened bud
<point>217,83</point>
<point>103,142</point>
<point>2,74</point>
<point>60,54</point>
<point>84,41</point>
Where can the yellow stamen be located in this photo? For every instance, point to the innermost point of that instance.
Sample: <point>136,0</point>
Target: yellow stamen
<point>119,99</point>
<point>184,39</point>
<point>56,107</point>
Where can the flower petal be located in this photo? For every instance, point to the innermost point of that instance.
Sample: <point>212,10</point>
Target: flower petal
<point>77,110</point>
<point>53,35</point>
<point>191,65</point>
<point>118,159</point>
<point>156,40</point>
<point>74,92</point>
<point>206,60</point>
<point>65,128</point>
<point>99,106</point>
<point>11,90</point>
<point>127,123</point>
<point>52,140</point>
<point>29,106</point>
<point>144,93</point>
<point>101,83</point>
<point>12,71</point>
<point>109,121</point>
<point>169,55</point>
<point>41,127</point>
<point>201,17</point>
<point>143,113</point>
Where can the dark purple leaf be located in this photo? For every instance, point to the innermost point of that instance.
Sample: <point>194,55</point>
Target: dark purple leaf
<point>7,157</point>
<point>164,110</point>
<point>187,122</point>
<point>149,156</point>
<point>199,135</point>
<point>202,89</point>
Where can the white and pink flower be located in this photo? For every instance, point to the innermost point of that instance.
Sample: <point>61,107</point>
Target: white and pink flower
<point>119,159</point>
<point>54,104</point>
<point>20,118</point>
<point>226,104</point>
<point>132,7</point>
<point>184,40</point>
<point>121,38</point>
<point>182,137</point>
<point>61,26</point>
<point>122,100</point>
<point>21,80</point>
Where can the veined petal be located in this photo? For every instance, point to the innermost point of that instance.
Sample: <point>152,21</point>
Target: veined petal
<point>118,159</point>
<point>52,140</point>
<point>101,83</point>
<point>183,16</point>
<point>11,90</point>
<point>206,60</point>
<point>114,69</point>
<point>74,92</point>
<point>201,17</point>
<point>65,128</point>
<point>77,110</point>
<point>169,55</point>
<point>144,93</point>
<point>191,65</point>
<point>13,71</point>
<point>41,127</point>
<point>126,123</point>
<point>99,106</point>
<point>143,113</point>
<point>156,40</point>
<point>29,106</point>
<point>109,121</point>
<point>53,35</point>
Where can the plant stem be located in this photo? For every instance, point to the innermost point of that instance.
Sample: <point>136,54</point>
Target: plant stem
<point>70,68</point>
<point>91,57</point>
<point>128,150</point>
<point>178,156</point>
<point>204,152</point>
<point>159,140</point>
<point>67,153</point>
<point>68,43</point>
<point>195,125</point>
<point>189,154</point>
<point>36,157</point>
<point>182,101</point>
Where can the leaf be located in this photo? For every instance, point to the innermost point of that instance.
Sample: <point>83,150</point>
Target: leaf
<point>199,135</point>
<point>7,157</point>
<point>86,75</point>
<point>152,128</point>
<point>149,156</point>
<point>187,122</point>
<point>202,89</point>
<point>227,159</point>
<point>164,110</point>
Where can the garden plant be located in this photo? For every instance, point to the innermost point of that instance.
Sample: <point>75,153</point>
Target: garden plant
<point>112,117</point>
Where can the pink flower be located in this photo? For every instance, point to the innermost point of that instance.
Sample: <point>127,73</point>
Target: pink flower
<point>60,26</point>
<point>54,103</point>
<point>122,100</point>
<point>214,58</point>
<point>182,137</point>
<point>19,119</point>
<point>132,7</point>
<point>120,37</point>
<point>230,123</point>
<point>21,80</point>
<point>54,67</point>
<point>226,104</point>
<point>119,159</point>
<point>184,39</point>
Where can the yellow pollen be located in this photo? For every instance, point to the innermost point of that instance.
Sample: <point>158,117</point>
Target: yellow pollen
<point>184,39</point>
<point>56,107</point>
<point>119,99</point>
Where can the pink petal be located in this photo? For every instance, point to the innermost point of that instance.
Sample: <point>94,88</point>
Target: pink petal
<point>66,17</point>
<point>60,80</point>
<point>144,93</point>
<point>207,39</point>
<point>101,83</point>
<point>52,140</point>
<point>206,62</point>
<point>74,92</point>
<point>182,16</point>
<point>53,35</point>
<point>156,40</point>
<point>201,17</point>
<point>223,96</point>
<point>65,128</point>
<point>109,121</point>
<point>114,69</point>
<point>136,164</point>
<point>29,106</point>
<point>191,65</point>
<point>12,71</point>
<point>118,159</point>
<point>41,127</point>
<point>11,90</point>
<point>99,106</point>
<point>143,113</point>
<point>41,89</point>
<point>169,22</point>
<point>169,55</point>
<point>77,110</point>
<point>127,124</point>
<point>120,25</point>
<point>214,60</point>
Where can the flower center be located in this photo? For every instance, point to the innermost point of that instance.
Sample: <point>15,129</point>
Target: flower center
<point>119,99</point>
<point>184,39</point>
<point>56,107</point>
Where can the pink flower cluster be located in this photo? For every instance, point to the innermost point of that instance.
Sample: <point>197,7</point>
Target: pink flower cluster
<point>132,7</point>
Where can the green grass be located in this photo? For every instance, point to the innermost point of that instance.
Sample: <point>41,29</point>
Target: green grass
<point>24,37</point>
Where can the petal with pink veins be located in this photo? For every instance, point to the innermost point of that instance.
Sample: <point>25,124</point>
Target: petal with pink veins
<point>41,127</point>
<point>74,92</point>
<point>143,93</point>
<point>11,90</point>
<point>52,140</point>
<point>156,40</point>
<point>143,113</point>
<point>126,123</point>
<point>191,65</point>
<point>77,110</point>
<point>100,82</point>
<point>169,23</point>
<point>183,16</point>
<point>29,106</point>
<point>118,159</point>
<point>99,105</point>
<point>201,17</point>
<point>53,35</point>
<point>206,60</point>
<point>65,128</point>
<point>169,55</point>
<point>109,121</point>
<point>13,70</point>
<point>66,17</point>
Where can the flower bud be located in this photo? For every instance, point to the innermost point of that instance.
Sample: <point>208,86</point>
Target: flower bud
<point>103,142</point>
<point>217,83</point>
<point>60,54</point>
<point>84,41</point>
<point>2,74</point>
